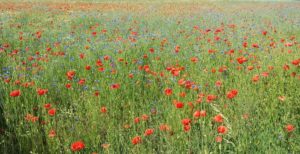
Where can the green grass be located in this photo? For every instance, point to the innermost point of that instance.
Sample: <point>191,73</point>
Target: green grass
<point>78,115</point>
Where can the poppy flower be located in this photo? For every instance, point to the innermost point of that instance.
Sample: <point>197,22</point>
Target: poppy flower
<point>255,78</point>
<point>148,132</point>
<point>130,75</point>
<point>136,140</point>
<point>177,49</point>
<point>106,57</point>
<point>186,121</point>
<point>202,113</point>
<point>136,120</point>
<point>145,117</point>
<point>296,62</point>
<point>186,128</point>
<point>255,45</point>
<point>164,127</point>
<point>81,55</point>
<point>178,104</point>
<point>232,94</point>
<point>289,128</point>
<point>210,98</point>
<point>77,146</point>
<point>286,67</point>
<point>219,139</point>
<point>194,59</point>
<point>47,106</point>
<point>15,93</point>
<point>218,118</point>
<point>151,50</point>
<point>218,83</point>
<point>52,112</point>
<point>96,93</point>
<point>42,91</point>
<point>81,82</point>
<point>168,91</point>
<point>222,129</point>
<point>115,86</point>
<point>196,114</point>
<point>70,74</point>
<point>88,67</point>
<point>68,85</point>
<point>241,60</point>
<point>245,44</point>
<point>52,134</point>
<point>250,68</point>
<point>103,109</point>
<point>182,94</point>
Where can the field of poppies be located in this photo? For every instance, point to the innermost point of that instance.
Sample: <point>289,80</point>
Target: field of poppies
<point>152,77</point>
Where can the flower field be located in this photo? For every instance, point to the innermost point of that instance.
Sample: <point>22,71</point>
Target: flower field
<point>149,77</point>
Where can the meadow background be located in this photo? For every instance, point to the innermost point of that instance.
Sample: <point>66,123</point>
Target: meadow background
<point>149,77</point>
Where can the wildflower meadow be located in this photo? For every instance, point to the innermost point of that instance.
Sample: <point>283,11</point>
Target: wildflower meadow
<point>141,77</point>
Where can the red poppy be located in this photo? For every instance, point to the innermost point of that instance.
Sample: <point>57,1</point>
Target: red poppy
<point>52,112</point>
<point>178,104</point>
<point>81,55</point>
<point>177,48</point>
<point>219,139</point>
<point>182,94</point>
<point>218,83</point>
<point>145,117</point>
<point>68,85</point>
<point>222,129</point>
<point>255,45</point>
<point>241,60</point>
<point>168,91</point>
<point>255,78</point>
<point>164,127</point>
<point>106,57</point>
<point>151,50</point>
<point>88,67</point>
<point>194,59</point>
<point>97,93</point>
<point>232,94</point>
<point>15,93</point>
<point>148,132</point>
<point>296,62</point>
<point>81,82</point>
<point>42,91</point>
<point>211,98</point>
<point>136,120</point>
<point>202,113</point>
<point>103,109</point>
<point>47,106</point>
<point>245,44</point>
<point>101,69</point>
<point>130,75</point>
<point>77,146</point>
<point>70,74</point>
<point>136,140</point>
<point>197,114</point>
<point>289,127</point>
<point>115,86</point>
<point>186,128</point>
<point>52,134</point>
<point>186,121</point>
<point>218,118</point>
<point>286,67</point>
